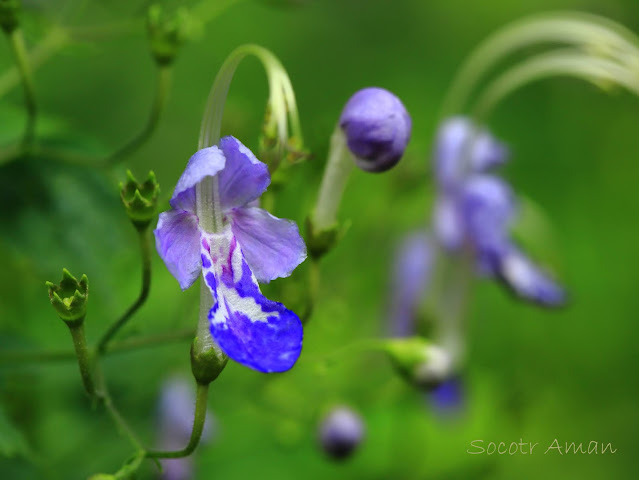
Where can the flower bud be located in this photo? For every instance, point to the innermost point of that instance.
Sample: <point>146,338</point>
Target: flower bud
<point>341,432</point>
<point>207,361</point>
<point>69,298</point>
<point>9,11</point>
<point>140,199</point>
<point>377,128</point>
<point>167,32</point>
<point>420,362</point>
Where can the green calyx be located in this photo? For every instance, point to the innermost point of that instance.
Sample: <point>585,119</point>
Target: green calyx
<point>69,298</point>
<point>140,200</point>
<point>276,152</point>
<point>418,361</point>
<point>207,361</point>
<point>320,242</point>
<point>9,15</point>
<point>168,32</point>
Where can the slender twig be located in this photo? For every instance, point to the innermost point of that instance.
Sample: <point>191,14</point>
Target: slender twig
<point>199,418</point>
<point>161,95</point>
<point>145,250</point>
<point>135,343</point>
<point>16,41</point>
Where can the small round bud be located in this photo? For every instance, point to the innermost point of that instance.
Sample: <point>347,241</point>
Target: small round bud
<point>377,128</point>
<point>207,361</point>
<point>140,199</point>
<point>69,298</point>
<point>341,432</point>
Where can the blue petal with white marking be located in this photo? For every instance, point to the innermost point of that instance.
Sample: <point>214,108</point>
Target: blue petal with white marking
<point>251,329</point>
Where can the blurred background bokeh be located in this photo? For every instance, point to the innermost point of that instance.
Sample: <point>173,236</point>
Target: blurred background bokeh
<point>532,374</point>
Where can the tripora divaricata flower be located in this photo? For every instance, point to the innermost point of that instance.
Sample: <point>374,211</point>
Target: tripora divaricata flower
<point>341,431</point>
<point>476,208</point>
<point>251,246</point>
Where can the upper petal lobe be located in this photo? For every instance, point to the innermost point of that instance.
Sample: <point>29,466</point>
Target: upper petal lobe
<point>204,163</point>
<point>244,178</point>
<point>177,239</point>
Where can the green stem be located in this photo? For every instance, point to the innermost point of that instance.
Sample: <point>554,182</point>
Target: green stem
<point>145,250</point>
<point>198,425</point>
<point>102,394</point>
<point>16,41</point>
<point>161,95</point>
<point>23,358</point>
<point>82,354</point>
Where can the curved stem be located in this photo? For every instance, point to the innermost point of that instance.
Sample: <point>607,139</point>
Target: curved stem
<point>561,63</point>
<point>16,41</point>
<point>161,95</point>
<point>199,418</point>
<point>145,250</point>
<point>586,31</point>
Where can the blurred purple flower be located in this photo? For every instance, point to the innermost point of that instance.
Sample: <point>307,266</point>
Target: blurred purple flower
<point>476,209</point>
<point>341,432</point>
<point>253,245</point>
<point>447,397</point>
<point>411,270</point>
<point>175,422</point>
<point>377,128</point>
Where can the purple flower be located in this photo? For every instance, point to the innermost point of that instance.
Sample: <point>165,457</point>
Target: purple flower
<point>341,432</point>
<point>253,246</point>
<point>377,128</point>
<point>411,273</point>
<point>448,397</point>
<point>476,209</point>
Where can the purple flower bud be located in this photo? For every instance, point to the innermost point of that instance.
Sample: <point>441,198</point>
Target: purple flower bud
<point>340,432</point>
<point>377,128</point>
<point>448,396</point>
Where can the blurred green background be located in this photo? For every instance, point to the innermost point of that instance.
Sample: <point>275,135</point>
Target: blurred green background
<point>532,374</point>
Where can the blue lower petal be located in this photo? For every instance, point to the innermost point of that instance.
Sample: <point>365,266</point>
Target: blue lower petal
<point>251,329</point>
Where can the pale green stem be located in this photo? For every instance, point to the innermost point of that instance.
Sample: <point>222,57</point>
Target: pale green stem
<point>338,169</point>
<point>561,63</point>
<point>580,30</point>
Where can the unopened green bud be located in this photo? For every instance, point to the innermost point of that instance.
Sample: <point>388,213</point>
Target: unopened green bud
<point>207,361</point>
<point>140,199</point>
<point>167,32</point>
<point>420,362</point>
<point>69,298</point>
<point>9,15</point>
<point>102,476</point>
